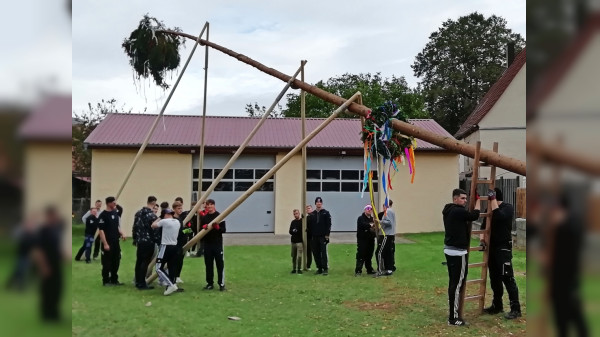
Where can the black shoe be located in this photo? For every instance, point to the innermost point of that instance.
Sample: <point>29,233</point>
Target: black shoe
<point>320,271</point>
<point>88,261</point>
<point>299,271</point>
<point>108,284</point>
<point>325,272</point>
<point>222,287</point>
<point>294,271</point>
<point>457,322</point>
<point>493,309</point>
<point>117,283</point>
<point>179,290</point>
<point>358,273</point>
<point>513,314</point>
<point>145,288</point>
<point>209,287</point>
<point>372,272</point>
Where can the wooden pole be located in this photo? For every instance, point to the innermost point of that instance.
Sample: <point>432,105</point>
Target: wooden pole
<point>446,142</point>
<point>239,150</point>
<point>303,209</point>
<point>151,132</point>
<point>267,175</point>
<point>201,154</point>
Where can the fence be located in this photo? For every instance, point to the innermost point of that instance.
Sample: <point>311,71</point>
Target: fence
<point>509,189</point>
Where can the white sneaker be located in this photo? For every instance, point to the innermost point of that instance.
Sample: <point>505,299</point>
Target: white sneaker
<point>170,290</point>
<point>178,280</point>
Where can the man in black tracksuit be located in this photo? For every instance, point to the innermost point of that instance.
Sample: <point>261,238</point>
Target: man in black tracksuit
<point>143,239</point>
<point>110,233</point>
<point>500,256</point>
<point>297,245</point>
<point>457,220</point>
<point>309,218</point>
<point>365,241</point>
<point>213,246</point>
<point>320,229</point>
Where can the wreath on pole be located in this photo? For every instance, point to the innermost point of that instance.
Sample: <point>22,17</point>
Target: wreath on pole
<point>380,139</point>
<point>152,52</point>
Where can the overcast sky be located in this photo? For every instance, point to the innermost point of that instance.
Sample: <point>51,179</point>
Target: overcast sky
<point>335,37</point>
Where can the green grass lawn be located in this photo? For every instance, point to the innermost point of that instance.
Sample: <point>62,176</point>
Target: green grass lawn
<point>272,302</point>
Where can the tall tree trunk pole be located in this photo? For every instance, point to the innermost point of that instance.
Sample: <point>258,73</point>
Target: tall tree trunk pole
<point>305,251</point>
<point>267,175</point>
<point>448,143</point>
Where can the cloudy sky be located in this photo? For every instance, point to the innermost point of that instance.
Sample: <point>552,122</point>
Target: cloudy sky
<point>36,50</point>
<point>333,36</point>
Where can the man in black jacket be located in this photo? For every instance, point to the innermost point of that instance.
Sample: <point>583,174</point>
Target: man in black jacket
<point>365,241</point>
<point>457,220</point>
<point>320,229</point>
<point>110,233</point>
<point>143,239</point>
<point>500,256</point>
<point>213,246</point>
<point>297,245</point>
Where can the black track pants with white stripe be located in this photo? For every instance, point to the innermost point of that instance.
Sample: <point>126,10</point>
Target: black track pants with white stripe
<point>457,274</point>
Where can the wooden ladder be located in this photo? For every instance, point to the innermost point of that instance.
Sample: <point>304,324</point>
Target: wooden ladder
<point>487,215</point>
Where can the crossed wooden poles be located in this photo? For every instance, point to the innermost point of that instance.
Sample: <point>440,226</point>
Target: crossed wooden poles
<point>352,104</point>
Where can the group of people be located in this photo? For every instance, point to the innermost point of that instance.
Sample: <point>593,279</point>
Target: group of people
<point>165,236</point>
<point>457,222</point>
<point>318,229</point>
<point>158,232</point>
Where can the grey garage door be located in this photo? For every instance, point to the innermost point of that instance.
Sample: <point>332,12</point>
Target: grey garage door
<point>256,214</point>
<point>338,180</point>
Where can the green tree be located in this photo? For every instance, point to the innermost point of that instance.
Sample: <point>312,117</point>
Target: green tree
<point>460,63</point>
<point>258,111</point>
<point>84,123</point>
<point>375,90</point>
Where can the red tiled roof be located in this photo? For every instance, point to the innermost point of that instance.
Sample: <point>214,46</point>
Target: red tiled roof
<point>492,96</point>
<point>129,130</point>
<point>50,121</point>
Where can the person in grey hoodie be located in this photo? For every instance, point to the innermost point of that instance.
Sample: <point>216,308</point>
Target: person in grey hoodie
<point>386,241</point>
<point>457,220</point>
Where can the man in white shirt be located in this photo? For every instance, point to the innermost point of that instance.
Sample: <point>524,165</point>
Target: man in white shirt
<point>167,253</point>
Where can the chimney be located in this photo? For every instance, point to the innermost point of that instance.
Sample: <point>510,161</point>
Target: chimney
<point>510,53</point>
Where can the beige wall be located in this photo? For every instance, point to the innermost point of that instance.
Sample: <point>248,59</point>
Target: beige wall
<point>418,206</point>
<point>288,191</point>
<point>164,174</point>
<point>48,182</point>
<point>578,90</point>
<point>509,110</point>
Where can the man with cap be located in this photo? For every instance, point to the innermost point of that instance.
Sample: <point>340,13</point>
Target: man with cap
<point>110,233</point>
<point>365,241</point>
<point>320,229</point>
<point>167,254</point>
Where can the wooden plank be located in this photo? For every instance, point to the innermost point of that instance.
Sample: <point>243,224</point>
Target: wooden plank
<point>477,265</point>
<point>484,182</point>
<point>521,202</point>
<point>475,281</point>
<point>473,298</point>
<point>475,249</point>
<point>477,232</point>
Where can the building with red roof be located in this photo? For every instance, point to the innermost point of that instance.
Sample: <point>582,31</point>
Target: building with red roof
<point>169,168</point>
